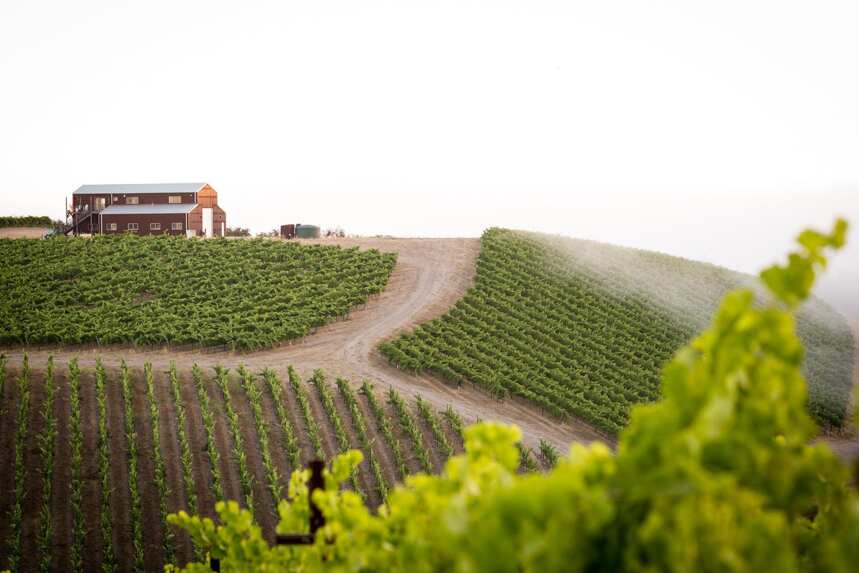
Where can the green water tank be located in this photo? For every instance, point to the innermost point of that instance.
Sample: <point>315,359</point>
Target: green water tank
<point>307,231</point>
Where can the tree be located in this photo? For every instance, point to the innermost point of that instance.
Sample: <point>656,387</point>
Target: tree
<point>237,232</point>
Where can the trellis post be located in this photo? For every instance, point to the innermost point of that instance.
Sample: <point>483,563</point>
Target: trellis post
<point>317,520</point>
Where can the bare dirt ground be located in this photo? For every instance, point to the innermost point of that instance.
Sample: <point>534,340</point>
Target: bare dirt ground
<point>23,232</point>
<point>430,276</point>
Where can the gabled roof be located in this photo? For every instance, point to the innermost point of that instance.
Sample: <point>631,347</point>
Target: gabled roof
<point>159,209</point>
<point>139,188</point>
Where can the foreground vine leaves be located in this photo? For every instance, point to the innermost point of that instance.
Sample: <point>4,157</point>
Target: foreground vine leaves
<point>717,476</point>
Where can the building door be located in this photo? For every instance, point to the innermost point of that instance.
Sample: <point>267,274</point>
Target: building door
<point>208,223</point>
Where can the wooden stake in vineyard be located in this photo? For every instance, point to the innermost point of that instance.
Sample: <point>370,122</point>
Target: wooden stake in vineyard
<point>316,519</point>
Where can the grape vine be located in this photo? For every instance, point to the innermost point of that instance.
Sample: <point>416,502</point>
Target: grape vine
<point>327,399</point>
<point>239,456</point>
<point>431,419</point>
<point>209,427</point>
<point>385,427</point>
<point>16,514</point>
<point>360,427</point>
<point>47,447</point>
<point>407,422</point>
<point>76,440</point>
<point>109,563</point>
<point>255,399</point>
<point>133,481</point>
<point>289,441</point>
<point>309,421</point>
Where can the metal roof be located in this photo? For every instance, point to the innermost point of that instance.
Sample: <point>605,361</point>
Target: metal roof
<point>139,188</point>
<point>163,208</point>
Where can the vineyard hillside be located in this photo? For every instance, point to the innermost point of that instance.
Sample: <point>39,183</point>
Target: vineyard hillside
<point>97,456</point>
<point>430,275</point>
<point>145,291</point>
<point>582,329</point>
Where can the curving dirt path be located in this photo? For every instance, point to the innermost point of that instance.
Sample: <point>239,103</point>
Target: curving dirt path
<point>429,277</point>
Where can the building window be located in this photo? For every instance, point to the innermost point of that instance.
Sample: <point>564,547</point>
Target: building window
<point>154,226</point>
<point>176,226</point>
<point>174,199</point>
<point>132,227</point>
<point>99,203</point>
<point>111,226</point>
<point>132,200</point>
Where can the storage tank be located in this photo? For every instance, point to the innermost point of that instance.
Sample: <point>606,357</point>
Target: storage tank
<point>287,231</point>
<point>307,231</point>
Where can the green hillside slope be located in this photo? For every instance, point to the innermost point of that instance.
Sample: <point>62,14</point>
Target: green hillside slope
<point>583,328</point>
<point>170,290</point>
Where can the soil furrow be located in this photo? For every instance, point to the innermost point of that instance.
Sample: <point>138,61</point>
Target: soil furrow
<point>275,437</point>
<point>149,494</point>
<point>33,476</point>
<point>8,426</point>
<point>365,475</point>
<point>120,495</point>
<point>224,442</point>
<point>326,432</point>
<point>436,456</point>
<point>197,440</point>
<point>61,479</point>
<point>172,463</point>
<point>263,502</point>
<point>377,440</point>
<point>406,446</point>
<point>90,481</point>
<point>293,411</point>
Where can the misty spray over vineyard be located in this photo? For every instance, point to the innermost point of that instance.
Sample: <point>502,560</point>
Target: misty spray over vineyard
<point>583,328</point>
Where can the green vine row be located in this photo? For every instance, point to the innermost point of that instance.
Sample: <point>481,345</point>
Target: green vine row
<point>407,423</point>
<point>209,427</point>
<point>359,425</point>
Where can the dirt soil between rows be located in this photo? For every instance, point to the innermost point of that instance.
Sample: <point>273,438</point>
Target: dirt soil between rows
<point>428,279</point>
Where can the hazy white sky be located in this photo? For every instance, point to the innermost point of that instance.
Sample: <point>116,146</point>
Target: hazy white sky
<point>623,121</point>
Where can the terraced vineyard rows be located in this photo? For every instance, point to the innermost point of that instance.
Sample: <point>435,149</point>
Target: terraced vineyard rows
<point>161,290</point>
<point>130,408</point>
<point>567,325</point>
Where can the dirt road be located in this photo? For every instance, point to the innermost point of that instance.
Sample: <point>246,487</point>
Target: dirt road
<point>23,232</point>
<point>430,276</point>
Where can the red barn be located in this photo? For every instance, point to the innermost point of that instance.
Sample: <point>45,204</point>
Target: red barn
<point>148,209</point>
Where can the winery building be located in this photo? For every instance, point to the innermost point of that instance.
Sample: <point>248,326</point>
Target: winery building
<point>148,209</point>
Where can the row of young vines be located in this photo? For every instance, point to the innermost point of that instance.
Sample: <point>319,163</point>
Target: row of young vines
<point>567,325</point>
<point>199,416</point>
